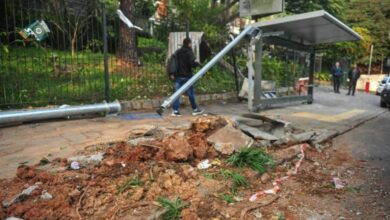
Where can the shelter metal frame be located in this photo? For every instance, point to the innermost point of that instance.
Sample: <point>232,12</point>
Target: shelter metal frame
<point>300,32</point>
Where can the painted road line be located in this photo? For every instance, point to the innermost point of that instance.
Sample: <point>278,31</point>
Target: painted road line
<point>330,118</point>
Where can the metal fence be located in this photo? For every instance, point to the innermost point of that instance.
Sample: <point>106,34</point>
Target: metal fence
<point>68,67</point>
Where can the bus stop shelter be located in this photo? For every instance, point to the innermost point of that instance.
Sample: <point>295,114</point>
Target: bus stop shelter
<point>302,32</point>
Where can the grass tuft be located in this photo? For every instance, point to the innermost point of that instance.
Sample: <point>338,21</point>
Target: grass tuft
<point>173,208</point>
<point>227,198</point>
<point>130,183</point>
<point>238,180</point>
<point>254,158</point>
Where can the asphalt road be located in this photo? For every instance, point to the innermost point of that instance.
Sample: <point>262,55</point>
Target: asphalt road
<point>370,142</point>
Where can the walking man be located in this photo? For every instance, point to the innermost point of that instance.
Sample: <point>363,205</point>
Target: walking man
<point>337,73</point>
<point>185,62</point>
<point>353,76</point>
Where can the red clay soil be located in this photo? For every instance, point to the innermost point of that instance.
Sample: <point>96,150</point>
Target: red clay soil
<point>107,190</point>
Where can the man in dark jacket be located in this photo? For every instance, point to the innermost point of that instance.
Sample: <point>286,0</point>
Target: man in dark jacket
<point>186,61</point>
<point>337,73</point>
<point>353,76</point>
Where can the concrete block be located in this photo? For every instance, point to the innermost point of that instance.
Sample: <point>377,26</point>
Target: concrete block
<point>228,139</point>
<point>136,104</point>
<point>256,133</point>
<point>126,106</point>
<point>155,103</point>
<point>147,104</point>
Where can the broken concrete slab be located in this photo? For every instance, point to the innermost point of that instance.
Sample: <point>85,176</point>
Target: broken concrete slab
<point>257,133</point>
<point>323,136</point>
<point>264,144</point>
<point>262,118</point>
<point>304,137</point>
<point>87,160</point>
<point>141,130</point>
<point>278,129</point>
<point>247,121</point>
<point>282,141</point>
<point>21,196</point>
<point>52,168</point>
<point>139,140</point>
<point>295,139</point>
<point>46,196</point>
<point>228,139</point>
<point>286,154</point>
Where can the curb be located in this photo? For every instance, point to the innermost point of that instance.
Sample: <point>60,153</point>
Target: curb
<point>335,134</point>
<point>150,104</point>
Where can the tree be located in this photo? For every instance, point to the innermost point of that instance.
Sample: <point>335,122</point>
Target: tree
<point>335,7</point>
<point>202,16</point>
<point>71,18</point>
<point>127,50</point>
<point>356,51</point>
<point>374,16</point>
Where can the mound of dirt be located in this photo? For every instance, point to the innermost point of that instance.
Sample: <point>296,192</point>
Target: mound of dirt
<point>126,183</point>
<point>177,148</point>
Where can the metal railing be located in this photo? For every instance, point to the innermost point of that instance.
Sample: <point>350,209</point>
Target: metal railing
<point>68,67</point>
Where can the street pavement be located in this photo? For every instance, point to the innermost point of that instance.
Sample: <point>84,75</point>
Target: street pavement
<point>31,142</point>
<point>370,143</point>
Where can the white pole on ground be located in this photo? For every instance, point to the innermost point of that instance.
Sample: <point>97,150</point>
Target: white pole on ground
<point>369,65</point>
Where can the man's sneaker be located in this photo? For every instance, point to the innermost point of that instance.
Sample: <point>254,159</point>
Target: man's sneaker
<point>197,112</point>
<point>176,114</point>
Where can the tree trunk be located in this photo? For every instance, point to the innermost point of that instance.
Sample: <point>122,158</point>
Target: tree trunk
<point>127,48</point>
<point>73,47</point>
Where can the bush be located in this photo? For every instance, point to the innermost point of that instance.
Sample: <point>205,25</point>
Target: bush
<point>322,76</point>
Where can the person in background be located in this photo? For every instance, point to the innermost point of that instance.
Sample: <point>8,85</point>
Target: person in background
<point>353,76</point>
<point>186,61</point>
<point>337,73</point>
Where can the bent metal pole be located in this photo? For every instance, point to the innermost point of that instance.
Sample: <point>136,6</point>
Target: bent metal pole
<point>10,117</point>
<point>250,30</point>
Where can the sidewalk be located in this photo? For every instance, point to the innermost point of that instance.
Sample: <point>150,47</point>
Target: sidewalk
<point>330,111</point>
<point>31,142</point>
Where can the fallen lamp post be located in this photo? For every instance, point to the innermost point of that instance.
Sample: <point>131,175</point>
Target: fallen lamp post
<point>10,117</point>
<point>248,31</point>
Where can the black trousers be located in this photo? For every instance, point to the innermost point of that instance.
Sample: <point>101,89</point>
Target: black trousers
<point>336,83</point>
<point>352,87</point>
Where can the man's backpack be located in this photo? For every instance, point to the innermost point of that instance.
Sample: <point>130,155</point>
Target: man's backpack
<point>173,65</point>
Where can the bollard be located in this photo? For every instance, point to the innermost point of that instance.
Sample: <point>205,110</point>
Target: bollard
<point>367,89</point>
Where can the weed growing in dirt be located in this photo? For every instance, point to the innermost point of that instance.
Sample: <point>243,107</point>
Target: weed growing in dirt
<point>209,175</point>
<point>44,161</point>
<point>280,216</point>
<point>173,208</point>
<point>227,198</point>
<point>130,183</point>
<point>352,189</point>
<point>238,180</point>
<point>254,158</point>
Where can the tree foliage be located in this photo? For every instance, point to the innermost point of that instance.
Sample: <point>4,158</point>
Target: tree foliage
<point>202,16</point>
<point>335,7</point>
<point>71,18</point>
<point>355,51</point>
<point>372,19</point>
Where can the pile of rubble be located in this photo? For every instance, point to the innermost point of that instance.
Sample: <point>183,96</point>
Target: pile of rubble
<point>124,180</point>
